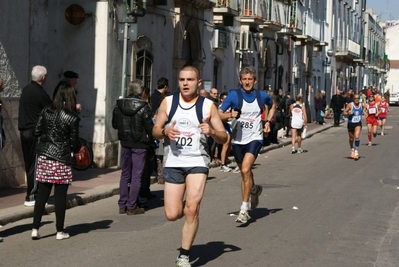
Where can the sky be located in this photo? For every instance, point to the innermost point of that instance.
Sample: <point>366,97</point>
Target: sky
<point>386,9</point>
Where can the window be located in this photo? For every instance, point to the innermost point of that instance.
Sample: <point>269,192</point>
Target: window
<point>144,67</point>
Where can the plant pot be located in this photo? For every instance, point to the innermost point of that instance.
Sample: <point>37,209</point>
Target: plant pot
<point>247,12</point>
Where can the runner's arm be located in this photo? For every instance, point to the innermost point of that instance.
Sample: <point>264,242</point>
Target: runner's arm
<point>216,128</point>
<point>346,110</point>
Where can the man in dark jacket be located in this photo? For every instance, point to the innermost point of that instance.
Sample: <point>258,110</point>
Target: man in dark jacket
<point>337,104</point>
<point>33,100</point>
<point>132,118</point>
<point>157,95</point>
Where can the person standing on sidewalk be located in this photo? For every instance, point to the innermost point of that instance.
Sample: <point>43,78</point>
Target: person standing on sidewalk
<point>158,94</point>
<point>298,123</point>
<point>319,107</point>
<point>337,104</point>
<point>246,106</point>
<point>354,111</point>
<point>57,130</point>
<point>184,119</point>
<point>132,117</point>
<point>33,100</point>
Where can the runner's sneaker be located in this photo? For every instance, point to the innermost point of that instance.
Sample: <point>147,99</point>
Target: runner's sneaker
<point>356,155</point>
<point>224,168</point>
<point>243,217</point>
<point>255,196</point>
<point>183,261</point>
<point>236,170</point>
<point>382,133</point>
<point>369,144</point>
<point>352,153</point>
<point>293,151</point>
<point>300,150</point>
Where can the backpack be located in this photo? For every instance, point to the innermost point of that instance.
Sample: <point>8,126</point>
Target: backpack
<point>241,98</point>
<point>175,103</point>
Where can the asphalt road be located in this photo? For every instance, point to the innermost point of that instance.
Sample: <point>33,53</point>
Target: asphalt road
<point>319,208</point>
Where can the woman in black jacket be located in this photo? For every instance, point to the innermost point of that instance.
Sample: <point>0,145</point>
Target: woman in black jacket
<point>58,135</point>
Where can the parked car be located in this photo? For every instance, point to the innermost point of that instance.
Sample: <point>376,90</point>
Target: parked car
<point>394,99</point>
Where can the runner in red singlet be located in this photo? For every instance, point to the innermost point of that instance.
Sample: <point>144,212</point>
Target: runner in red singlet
<point>382,118</point>
<point>372,111</point>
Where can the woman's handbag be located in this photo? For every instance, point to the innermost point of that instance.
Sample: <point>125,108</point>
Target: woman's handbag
<point>82,157</point>
<point>322,114</point>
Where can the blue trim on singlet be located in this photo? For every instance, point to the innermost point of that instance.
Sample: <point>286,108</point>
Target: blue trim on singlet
<point>240,98</point>
<point>359,109</point>
<point>232,99</point>
<point>175,103</point>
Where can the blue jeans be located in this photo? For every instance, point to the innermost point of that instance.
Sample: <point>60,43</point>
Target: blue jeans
<point>133,162</point>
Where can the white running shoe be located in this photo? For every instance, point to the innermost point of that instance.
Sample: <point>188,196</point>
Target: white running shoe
<point>225,168</point>
<point>183,261</point>
<point>35,234</point>
<point>62,235</point>
<point>236,170</point>
<point>243,217</point>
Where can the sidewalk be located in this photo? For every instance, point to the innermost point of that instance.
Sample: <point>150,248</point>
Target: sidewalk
<point>95,184</point>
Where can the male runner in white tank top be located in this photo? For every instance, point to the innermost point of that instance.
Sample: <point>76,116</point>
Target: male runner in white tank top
<point>186,156</point>
<point>247,136</point>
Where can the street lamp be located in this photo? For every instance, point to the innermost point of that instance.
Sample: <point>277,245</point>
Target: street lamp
<point>327,70</point>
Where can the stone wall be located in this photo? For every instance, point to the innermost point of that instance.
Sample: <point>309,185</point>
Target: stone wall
<point>12,172</point>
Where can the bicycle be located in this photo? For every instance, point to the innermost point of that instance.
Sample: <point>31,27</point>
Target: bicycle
<point>89,154</point>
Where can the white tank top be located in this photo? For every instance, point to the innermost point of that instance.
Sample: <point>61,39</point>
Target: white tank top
<point>249,126</point>
<point>297,116</point>
<point>190,149</point>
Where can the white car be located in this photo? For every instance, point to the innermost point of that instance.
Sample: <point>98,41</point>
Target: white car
<point>394,99</point>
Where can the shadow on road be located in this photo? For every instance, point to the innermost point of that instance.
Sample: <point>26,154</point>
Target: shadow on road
<point>85,228</point>
<point>201,255</point>
<point>20,229</point>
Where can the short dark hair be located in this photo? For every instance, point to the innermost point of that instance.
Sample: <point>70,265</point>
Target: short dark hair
<point>162,82</point>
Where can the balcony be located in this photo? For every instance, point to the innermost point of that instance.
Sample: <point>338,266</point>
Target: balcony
<point>225,11</point>
<point>275,15</point>
<point>254,12</point>
<point>347,50</point>
<point>294,23</point>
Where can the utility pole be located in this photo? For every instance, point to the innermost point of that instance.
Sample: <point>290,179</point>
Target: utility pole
<point>129,30</point>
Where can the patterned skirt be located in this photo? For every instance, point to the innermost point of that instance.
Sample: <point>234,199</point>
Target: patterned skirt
<point>49,170</point>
